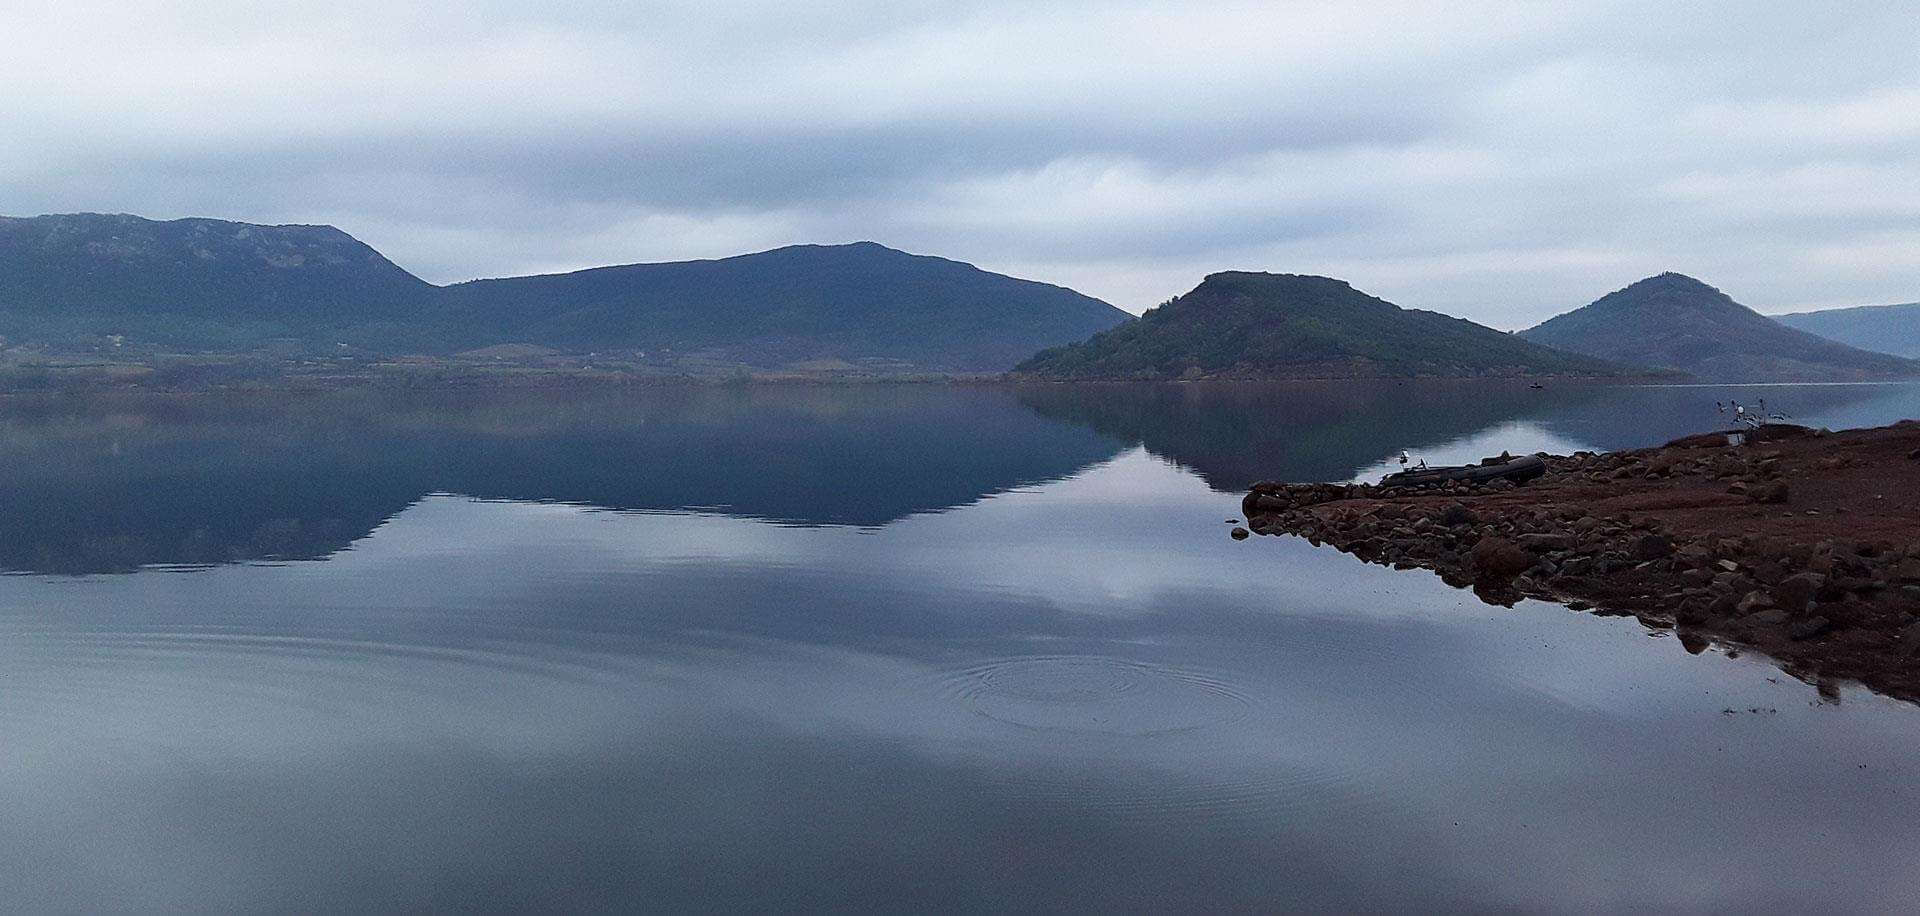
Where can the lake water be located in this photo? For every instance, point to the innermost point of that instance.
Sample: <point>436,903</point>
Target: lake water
<point>903,648</point>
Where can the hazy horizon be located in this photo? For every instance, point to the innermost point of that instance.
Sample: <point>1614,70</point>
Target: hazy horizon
<point>1499,165</point>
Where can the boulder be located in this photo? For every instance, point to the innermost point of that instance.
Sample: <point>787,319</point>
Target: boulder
<point>1735,584</point>
<point>1238,533</point>
<point>1908,570</point>
<point>1611,561</point>
<point>1795,592</point>
<point>1457,514</point>
<point>1692,610</point>
<point>1808,628</point>
<point>1497,560</point>
<point>1723,606</point>
<point>1545,543</point>
<point>1652,547</point>
<point>1766,617</point>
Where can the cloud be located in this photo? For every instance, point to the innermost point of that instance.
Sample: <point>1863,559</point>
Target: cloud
<point>1500,162</point>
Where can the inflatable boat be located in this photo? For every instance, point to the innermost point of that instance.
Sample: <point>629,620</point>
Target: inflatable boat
<point>1518,470</point>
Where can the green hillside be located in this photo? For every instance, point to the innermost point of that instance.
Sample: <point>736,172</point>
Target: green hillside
<point>805,302</point>
<point>1260,325</point>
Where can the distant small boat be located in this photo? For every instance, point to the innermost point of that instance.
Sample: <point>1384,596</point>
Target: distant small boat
<point>1518,470</point>
<point>1536,385</point>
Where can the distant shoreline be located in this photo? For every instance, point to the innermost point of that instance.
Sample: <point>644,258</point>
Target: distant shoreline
<point>220,372</point>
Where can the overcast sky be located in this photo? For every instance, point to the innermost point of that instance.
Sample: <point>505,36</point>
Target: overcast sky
<point>1502,163</point>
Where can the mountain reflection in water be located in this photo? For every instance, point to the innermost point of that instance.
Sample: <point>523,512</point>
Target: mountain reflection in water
<point>891,648</point>
<point>1234,434</point>
<point>115,484</point>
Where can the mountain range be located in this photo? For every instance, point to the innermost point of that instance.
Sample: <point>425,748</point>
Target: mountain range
<point>1260,325</point>
<point>1891,329</point>
<point>1673,321</point>
<point>82,280</point>
<point>86,282</point>
<point>203,283</point>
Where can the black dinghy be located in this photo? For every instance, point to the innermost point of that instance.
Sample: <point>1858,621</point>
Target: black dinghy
<point>1518,470</point>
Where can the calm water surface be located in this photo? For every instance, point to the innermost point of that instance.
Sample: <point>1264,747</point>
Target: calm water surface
<point>901,648</point>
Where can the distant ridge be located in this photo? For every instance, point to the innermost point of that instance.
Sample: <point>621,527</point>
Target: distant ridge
<point>802,302</point>
<point>75,278</point>
<point>1891,329</point>
<point>1674,321</point>
<point>1260,325</point>
<point>78,281</point>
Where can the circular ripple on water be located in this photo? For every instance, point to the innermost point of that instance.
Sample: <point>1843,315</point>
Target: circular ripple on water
<point>1095,694</point>
<point>1193,773</point>
<point>225,675</point>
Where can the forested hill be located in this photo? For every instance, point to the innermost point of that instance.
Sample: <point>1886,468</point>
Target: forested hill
<point>805,302</point>
<point>71,280</point>
<point>1261,325</point>
<point>90,281</point>
<point>1676,322</point>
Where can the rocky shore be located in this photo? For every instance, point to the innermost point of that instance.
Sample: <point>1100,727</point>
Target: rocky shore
<point>1799,543</point>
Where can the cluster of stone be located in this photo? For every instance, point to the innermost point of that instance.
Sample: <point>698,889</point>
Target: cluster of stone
<point>1736,585</point>
<point>1755,475</point>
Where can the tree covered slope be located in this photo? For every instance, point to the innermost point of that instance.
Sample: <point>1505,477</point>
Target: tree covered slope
<point>200,283</point>
<point>804,302</point>
<point>1261,325</point>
